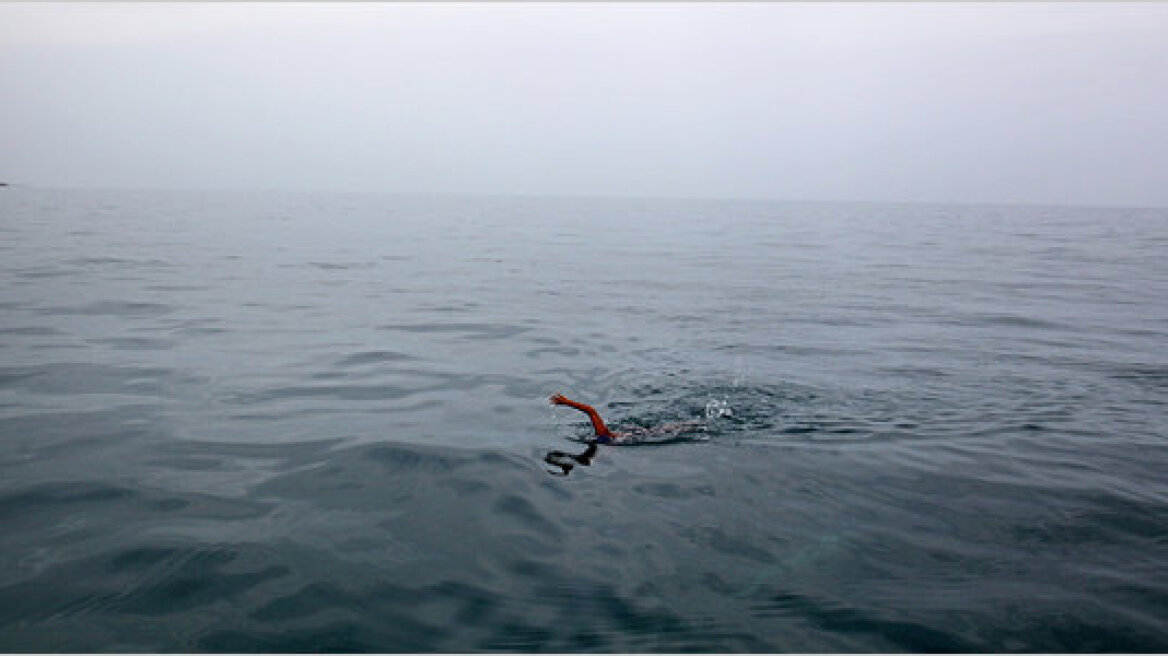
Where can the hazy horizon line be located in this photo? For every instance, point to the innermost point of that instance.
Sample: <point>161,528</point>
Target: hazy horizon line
<point>602,196</point>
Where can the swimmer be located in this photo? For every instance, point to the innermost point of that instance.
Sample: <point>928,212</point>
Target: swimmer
<point>606,436</point>
<point>566,461</point>
<point>603,434</point>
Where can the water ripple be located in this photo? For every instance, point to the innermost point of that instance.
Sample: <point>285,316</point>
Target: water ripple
<point>908,427</point>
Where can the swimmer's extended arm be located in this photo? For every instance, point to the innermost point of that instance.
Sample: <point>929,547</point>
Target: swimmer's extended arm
<point>597,422</point>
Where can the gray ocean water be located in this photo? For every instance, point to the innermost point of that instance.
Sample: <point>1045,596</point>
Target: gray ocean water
<point>281,422</point>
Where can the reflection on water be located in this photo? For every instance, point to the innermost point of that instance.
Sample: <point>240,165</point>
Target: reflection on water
<point>566,461</point>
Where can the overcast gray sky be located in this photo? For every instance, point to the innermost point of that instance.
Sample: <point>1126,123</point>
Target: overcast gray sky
<point>1039,102</point>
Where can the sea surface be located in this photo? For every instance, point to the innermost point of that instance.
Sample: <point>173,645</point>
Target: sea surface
<point>311,422</point>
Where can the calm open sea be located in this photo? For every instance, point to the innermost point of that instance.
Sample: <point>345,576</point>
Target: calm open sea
<point>279,422</point>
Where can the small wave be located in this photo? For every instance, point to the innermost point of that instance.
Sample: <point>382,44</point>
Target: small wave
<point>1011,320</point>
<point>1150,375</point>
<point>44,497</point>
<point>473,331</point>
<point>35,331</point>
<point>111,308</point>
<point>340,392</point>
<point>41,273</point>
<point>341,266</point>
<point>373,357</point>
<point>833,617</point>
<point>135,343</point>
<point>68,378</point>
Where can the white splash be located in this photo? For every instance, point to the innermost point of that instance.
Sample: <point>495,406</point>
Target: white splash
<point>716,408</point>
